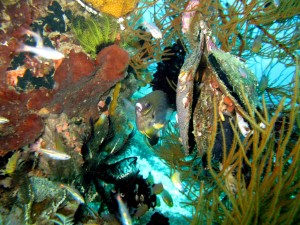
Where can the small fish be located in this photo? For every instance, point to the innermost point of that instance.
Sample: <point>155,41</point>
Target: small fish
<point>3,120</point>
<point>101,120</point>
<point>158,203</point>
<point>188,15</point>
<point>40,49</point>
<point>153,29</point>
<point>141,210</point>
<point>256,46</point>
<point>74,193</point>
<point>151,114</point>
<point>263,84</point>
<point>37,37</point>
<point>167,198</point>
<point>157,188</point>
<point>175,178</point>
<point>11,164</point>
<point>150,178</point>
<point>125,216</point>
<point>54,154</point>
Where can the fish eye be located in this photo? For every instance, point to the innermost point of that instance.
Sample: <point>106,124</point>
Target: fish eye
<point>147,105</point>
<point>122,195</point>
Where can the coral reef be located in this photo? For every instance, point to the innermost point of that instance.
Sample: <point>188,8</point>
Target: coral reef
<point>23,127</point>
<point>236,152</point>
<point>79,83</point>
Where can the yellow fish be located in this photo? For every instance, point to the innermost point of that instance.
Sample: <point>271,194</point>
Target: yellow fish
<point>151,114</point>
<point>177,181</point>
<point>256,46</point>
<point>74,193</point>
<point>11,164</point>
<point>3,120</point>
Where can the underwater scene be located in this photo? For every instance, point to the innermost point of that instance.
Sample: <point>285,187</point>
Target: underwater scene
<point>149,112</point>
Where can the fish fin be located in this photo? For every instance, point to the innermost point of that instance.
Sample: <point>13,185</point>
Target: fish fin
<point>37,37</point>
<point>158,126</point>
<point>23,48</point>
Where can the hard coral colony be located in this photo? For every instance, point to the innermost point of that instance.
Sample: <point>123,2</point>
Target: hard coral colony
<point>75,151</point>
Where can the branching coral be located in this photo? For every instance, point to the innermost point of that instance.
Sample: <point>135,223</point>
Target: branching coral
<point>272,193</point>
<point>236,26</point>
<point>144,49</point>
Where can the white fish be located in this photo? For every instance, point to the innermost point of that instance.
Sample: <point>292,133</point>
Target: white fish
<point>37,37</point>
<point>40,49</point>
<point>3,120</point>
<point>53,154</point>
<point>153,29</point>
<point>125,216</point>
<point>45,52</point>
<point>74,193</point>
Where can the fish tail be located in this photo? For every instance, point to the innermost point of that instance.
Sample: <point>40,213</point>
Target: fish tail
<point>24,48</point>
<point>25,31</point>
<point>37,37</point>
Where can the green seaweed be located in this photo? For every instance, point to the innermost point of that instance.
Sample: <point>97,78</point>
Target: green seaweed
<point>96,33</point>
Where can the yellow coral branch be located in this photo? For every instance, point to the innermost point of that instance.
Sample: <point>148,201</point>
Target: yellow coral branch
<point>113,104</point>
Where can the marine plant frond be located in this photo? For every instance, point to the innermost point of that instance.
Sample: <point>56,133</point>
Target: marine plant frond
<point>62,219</point>
<point>145,49</point>
<point>94,33</point>
<point>170,140</point>
<point>236,26</point>
<point>95,30</point>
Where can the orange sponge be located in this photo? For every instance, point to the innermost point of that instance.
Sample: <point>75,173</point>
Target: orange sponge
<point>116,8</point>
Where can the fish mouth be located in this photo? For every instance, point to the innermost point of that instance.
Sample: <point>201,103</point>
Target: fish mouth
<point>142,110</point>
<point>138,107</point>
